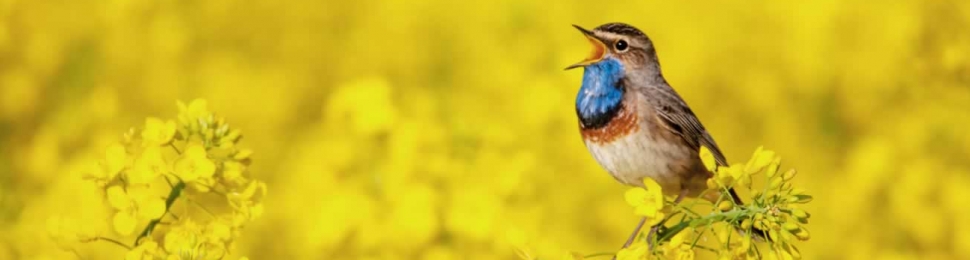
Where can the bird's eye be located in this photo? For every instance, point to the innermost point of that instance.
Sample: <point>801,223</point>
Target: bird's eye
<point>621,45</point>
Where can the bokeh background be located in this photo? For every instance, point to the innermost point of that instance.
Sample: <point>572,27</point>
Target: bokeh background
<point>446,129</point>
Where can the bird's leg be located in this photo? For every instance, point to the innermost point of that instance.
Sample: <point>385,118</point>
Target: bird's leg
<point>653,230</point>
<point>634,235</point>
<point>635,232</point>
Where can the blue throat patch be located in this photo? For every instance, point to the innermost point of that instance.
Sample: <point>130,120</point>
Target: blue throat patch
<point>601,96</point>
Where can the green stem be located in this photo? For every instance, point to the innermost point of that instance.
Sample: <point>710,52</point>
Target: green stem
<point>116,242</point>
<point>172,144</point>
<point>712,250</point>
<point>213,215</point>
<point>683,209</point>
<point>698,238</point>
<point>172,196</point>
<point>707,220</point>
<point>598,254</point>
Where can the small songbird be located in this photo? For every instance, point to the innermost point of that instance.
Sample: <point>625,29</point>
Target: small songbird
<point>633,123</point>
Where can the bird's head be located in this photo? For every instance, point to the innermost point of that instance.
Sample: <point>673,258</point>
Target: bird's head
<point>618,42</point>
<point>622,57</point>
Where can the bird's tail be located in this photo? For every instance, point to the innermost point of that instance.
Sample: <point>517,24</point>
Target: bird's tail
<point>758,233</point>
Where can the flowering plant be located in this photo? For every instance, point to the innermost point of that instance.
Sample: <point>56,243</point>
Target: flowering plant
<point>178,189</point>
<point>771,211</point>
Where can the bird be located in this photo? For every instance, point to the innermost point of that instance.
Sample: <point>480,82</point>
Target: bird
<point>634,124</point>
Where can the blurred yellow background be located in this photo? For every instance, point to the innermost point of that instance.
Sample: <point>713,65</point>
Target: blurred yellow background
<point>446,129</point>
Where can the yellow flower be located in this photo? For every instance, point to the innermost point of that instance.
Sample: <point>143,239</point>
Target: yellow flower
<point>708,159</point>
<point>132,204</point>
<point>218,232</point>
<point>242,154</point>
<point>157,132</point>
<point>145,251</point>
<point>647,201</point>
<point>188,241</point>
<point>678,239</point>
<point>182,236</point>
<point>147,167</point>
<point>196,108</point>
<point>677,249</point>
<point>247,203</point>
<point>759,160</point>
<point>636,251</point>
<point>194,164</point>
<point>194,114</point>
<point>684,253</point>
<point>115,159</point>
<point>726,176</point>
<point>232,171</point>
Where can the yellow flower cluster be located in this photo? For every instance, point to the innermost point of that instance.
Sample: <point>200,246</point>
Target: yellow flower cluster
<point>771,210</point>
<point>179,188</point>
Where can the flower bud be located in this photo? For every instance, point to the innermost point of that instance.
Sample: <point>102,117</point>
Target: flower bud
<point>773,234</point>
<point>802,234</point>
<point>789,174</point>
<point>790,226</point>
<point>725,205</point>
<point>746,224</point>
<point>775,183</point>
<point>800,199</point>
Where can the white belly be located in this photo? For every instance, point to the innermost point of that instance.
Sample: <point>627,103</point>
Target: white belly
<point>632,157</point>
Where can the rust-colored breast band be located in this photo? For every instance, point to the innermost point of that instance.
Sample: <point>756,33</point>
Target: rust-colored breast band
<point>624,123</point>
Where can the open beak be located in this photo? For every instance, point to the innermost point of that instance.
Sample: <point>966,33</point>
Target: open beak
<point>599,49</point>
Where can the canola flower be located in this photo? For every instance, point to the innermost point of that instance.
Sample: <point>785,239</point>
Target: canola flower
<point>177,189</point>
<point>647,202</point>
<point>772,209</point>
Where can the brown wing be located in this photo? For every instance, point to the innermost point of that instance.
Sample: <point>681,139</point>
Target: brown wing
<point>678,118</point>
<point>675,116</point>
